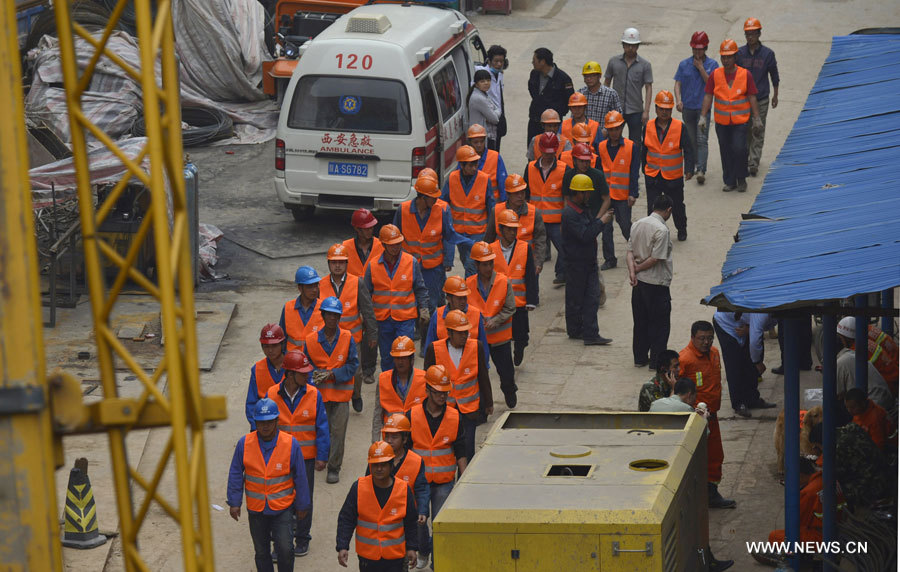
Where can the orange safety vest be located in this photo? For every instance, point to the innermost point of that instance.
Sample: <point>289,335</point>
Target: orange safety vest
<point>350,318</point>
<point>300,423</point>
<point>526,222</point>
<point>355,266</point>
<point>270,482</point>
<point>464,395</point>
<point>489,168</point>
<point>567,124</point>
<point>264,380</point>
<point>409,469</point>
<point>547,195</point>
<point>469,212</point>
<point>294,328</point>
<point>731,103</point>
<point>425,244</point>
<point>492,306</point>
<point>666,157</point>
<point>331,390</point>
<point>379,530</point>
<point>566,157</point>
<point>618,176</point>
<point>394,297</point>
<point>514,269</point>
<point>563,141</point>
<point>472,313</point>
<point>391,402</point>
<point>436,450</point>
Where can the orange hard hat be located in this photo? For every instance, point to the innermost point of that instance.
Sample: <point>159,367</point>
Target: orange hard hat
<point>338,252</point>
<point>476,130</point>
<point>466,154</point>
<point>396,423</point>
<point>577,99</point>
<point>699,40</point>
<point>427,173</point>
<point>508,217</point>
<point>752,24</point>
<point>548,143</point>
<point>482,252</point>
<point>581,133</point>
<point>515,183</point>
<point>550,116</point>
<point>402,347</point>
<point>582,151</point>
<point>380,452</point>
<point>613,119</point>
<point>271,334</point>
<point>390,234</point>
<point>665,99</point>
<point>436,376</point>
<point>456,286</point>
<point>457,320</point>
<point>427,186</point>
<point>728,48</point>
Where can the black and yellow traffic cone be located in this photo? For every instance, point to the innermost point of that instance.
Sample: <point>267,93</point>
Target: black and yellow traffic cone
<point>80,529</point>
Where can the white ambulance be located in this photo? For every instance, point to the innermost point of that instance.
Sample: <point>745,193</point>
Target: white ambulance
<point>375,98</point>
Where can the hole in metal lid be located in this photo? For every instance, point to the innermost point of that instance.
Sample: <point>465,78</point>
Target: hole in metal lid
<point>569,470</point>
<point>648,465</point>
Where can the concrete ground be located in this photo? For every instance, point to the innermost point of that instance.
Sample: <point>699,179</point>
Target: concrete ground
<point>558,373</point>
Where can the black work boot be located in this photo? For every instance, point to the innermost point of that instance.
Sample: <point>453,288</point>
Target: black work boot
<point>718,565</point>
<point>716,500</point>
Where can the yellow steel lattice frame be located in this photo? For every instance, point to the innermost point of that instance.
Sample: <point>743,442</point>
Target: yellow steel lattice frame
<point>182,402</point>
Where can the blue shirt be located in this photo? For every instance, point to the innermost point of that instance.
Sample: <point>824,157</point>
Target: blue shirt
<point>253,390</point>
<point>466,187</point>
<point>761,65</point>
<point>346,372</point>
<point>692,84</point>
<point>298,468</point>
<point>431,336</point>
<point>323,437</point>
<point>758,325</point>
<point>449,236</point>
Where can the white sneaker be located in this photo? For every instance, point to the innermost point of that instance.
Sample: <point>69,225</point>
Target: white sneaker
<point>421,561</point>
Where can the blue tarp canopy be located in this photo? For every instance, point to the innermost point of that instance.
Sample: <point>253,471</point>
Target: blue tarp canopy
<point>826,223</point>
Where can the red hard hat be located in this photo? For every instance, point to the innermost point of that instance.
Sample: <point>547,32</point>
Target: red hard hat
<point>363,218</point>
<point>271,334</point>
<point>548,143</point>
<point>699,40</point>
<point>295,360</point>
<point>582,151</point>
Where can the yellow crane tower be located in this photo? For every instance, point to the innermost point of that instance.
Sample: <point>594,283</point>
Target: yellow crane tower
<point>33,409</point>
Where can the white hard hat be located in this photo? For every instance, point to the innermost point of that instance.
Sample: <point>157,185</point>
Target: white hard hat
<point>847,327</point>
<point>631,36</point>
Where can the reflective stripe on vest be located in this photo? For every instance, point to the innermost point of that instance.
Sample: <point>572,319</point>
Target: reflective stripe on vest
<point>514,269</point>
<point>472,313</point>
<point>464,393</point>
<point>394,297</point>
<point>355,266</point>
<point>270,482</point>
<point>547,195</point>
<point>488,166</point>
<point>731,103</point>
<point>526,221</point>
<point>264,379</point>
<point>492,306</point>
<point>379,530</point>
<point>664,157</point>
<point>436,450</point>
<point>390,400</point>
<point>618,175</point>
<point>425,244</point>
<point>331,390</point>
<point>350,318</point>
<point>301,423</point>
<point>469,212</point>
<point>294,328</point>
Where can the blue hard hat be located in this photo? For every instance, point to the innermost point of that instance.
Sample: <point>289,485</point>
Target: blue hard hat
<point>332,304</point>
<point>265,410</point>
<point>306,275</point>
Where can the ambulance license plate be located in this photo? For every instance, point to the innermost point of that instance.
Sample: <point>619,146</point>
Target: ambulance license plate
<point>348,169</point>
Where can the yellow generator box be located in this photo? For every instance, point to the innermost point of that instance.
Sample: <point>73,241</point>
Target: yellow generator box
<point>580,491</point>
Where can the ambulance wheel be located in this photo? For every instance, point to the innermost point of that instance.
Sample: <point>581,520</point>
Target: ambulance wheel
<point>302,213</point>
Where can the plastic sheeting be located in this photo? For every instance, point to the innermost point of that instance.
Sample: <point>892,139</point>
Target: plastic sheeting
<point>823,226</point>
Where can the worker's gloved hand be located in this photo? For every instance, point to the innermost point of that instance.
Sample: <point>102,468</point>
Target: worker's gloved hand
<point>320,376</point>
<point>424,315</point>
<point>701,123</point>
<point>757,126</point>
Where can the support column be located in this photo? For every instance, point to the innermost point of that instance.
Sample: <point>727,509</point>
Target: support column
<point>791,434</point>
<point>862,346</point>
<point>887,302</point>
<point>829,419</point>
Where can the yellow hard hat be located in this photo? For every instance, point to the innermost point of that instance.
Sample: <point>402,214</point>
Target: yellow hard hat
<point>591,67</point>
<point>581,183</point>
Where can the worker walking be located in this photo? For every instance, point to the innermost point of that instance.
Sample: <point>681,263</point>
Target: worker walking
<point>266,372</point>
<point>632,78</point>
<point>580,231</point>
<point>268,465</point>
<point>381,510</point>
<point>666,150</point>
<point>578,116</point>
<point>333,353</point>
<point>551,123</point>
<point>516,261</point>
<point>690,84</point>
<point>301,413</point>
<point>544,177</point>
<point>700,362</point>
<point>300,316</point>
<point>531,223</point>
<point>734,91</point>
<point>408,466</point>
<point>492,293</point>
<point>439,437</point>
<point>621,167</point>
<point>583,163</point>
<point>760,61</point>
<point>467,191</point>
<point>549,87</point>
<point>491,163</point>
<point>358,315</point>
<point>398,389</point>
<point>600,98</point>
<point>397,288</point>
<point>457,293</point>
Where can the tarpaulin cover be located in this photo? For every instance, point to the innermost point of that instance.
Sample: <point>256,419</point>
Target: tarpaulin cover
<point>824,225</point>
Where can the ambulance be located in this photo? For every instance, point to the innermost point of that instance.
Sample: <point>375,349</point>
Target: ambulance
<point>375,98</point>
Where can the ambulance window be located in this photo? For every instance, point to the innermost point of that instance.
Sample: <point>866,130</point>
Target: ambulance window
<point>461,60</point>
<point>447,86</point>
<point>364,105</point>
<point>429,105</point>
